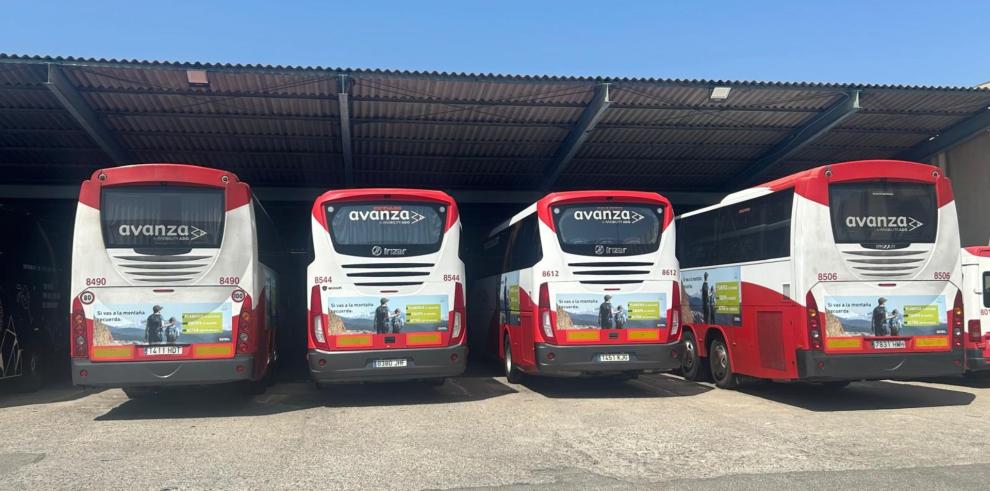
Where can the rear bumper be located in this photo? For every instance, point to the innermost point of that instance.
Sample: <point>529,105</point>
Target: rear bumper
<point>578,360</point>
<point>895,366</point>
<point>162,373</point>
<point>357,366</point>
<point>976,360</point>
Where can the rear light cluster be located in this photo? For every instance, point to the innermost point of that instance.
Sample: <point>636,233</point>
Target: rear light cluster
<point>675,313</point>
<point>80,335</point>
<point>246,338</point>
<point>457,321</point>
<point>317,319</point>
<point>548,318</point>
<point>975,331</point>
<point>957,321</point>
<point>814,323</point>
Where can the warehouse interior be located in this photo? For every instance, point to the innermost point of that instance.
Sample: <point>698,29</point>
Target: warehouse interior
<point>495,142</point>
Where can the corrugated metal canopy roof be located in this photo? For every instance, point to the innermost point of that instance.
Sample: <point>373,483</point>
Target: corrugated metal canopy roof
<point>282,126</point>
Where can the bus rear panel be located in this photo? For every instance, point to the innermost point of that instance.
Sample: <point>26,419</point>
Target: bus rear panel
<point>386,287</point>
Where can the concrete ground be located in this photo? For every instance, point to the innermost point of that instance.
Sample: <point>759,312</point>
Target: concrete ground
<point>478,432</point>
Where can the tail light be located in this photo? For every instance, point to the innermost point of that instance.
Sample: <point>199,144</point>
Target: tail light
<point>317,320</point>
<point>814,323</point>
<point>457,331</point>
<point>247,339</point>
<point>80,333</point>
<point>957,321</point>
<point>548,318</point>
<point>975,331</point>
<point>674,316</point>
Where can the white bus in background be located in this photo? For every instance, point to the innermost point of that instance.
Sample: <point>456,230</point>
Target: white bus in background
<point>167,287</point>
<point>844,272</point>
<point>386,287</point>
<point>976,303</point>
<point>580,283</point>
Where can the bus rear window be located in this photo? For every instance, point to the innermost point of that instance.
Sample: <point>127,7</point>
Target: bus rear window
<point>608,229</point>
<point>386,229</point>
<point>883,214</point>
<point>150,217</point>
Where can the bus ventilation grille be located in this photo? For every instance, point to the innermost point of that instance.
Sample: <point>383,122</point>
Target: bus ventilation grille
<point>873,264</point>
<point>162,269</point>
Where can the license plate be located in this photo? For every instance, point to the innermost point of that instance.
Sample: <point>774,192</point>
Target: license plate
<point>162,350</point>
<point>394,363</point>
<point>898,344</point>
<point>607,357</point>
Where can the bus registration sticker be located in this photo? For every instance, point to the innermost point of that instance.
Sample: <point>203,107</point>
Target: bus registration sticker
<point>390,363</point>
<point>610,357</point>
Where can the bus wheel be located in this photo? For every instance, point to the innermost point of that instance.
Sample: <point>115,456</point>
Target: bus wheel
<point>512,374</point>
<point>720,366</point>
<point>139,392</point>
<point>693,367</point>
<point>31,379</point>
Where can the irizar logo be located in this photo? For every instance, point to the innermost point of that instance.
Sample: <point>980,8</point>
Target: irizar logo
<point>406,217</point>
<point>609,215</point>
<point>600,249</point>
<point>385,251</point>
<point>164,232</point>
<point>891,223</point>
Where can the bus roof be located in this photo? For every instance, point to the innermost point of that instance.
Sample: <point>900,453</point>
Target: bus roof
<point>542,206</point>
<point>238,193</point>
<point>389,194</point>
<point>857,170</point>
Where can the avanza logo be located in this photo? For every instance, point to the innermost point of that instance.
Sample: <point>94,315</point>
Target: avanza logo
<point>164,232</point>
<point>407,217</point>
<point>610,216</point>
<point>897,223</point>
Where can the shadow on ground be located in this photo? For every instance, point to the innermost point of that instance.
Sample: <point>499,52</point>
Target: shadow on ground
<point>652,385</point>
<point>51,393</point>
<point>858,396</point>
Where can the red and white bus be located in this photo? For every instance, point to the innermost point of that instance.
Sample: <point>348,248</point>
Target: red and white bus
<point>386,287</point>
<point>167,287</point>
<point>976,303</point>
<point>580,283</point>
<point>845,272</point>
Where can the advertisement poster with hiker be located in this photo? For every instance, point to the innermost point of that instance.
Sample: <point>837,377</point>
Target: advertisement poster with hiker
<point>611,311</point>
<point>387,315</point>
<point>892,315</point>
<point>161,323</point>
<point>714,295</point>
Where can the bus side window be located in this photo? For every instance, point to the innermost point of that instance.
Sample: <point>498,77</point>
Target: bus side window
<point>696,240</point>
<point>526,249</point>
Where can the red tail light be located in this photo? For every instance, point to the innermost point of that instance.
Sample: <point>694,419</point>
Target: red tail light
<point>975,331</point>
<point>317,320</point>
<point>548,318</point>
<point>247,335</point>
<point>674,315</point>
<point>957,321</point>
<point>814,323</point>
<point>80,330</point>
<point>458,332</point>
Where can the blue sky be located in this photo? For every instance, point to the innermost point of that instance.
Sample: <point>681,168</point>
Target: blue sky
<point>907,41</point>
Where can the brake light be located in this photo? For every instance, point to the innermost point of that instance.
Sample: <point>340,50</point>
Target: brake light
<point>457,316</point>
<point>814,323</point>
<point>317,320</point>
<point>674,315</point>
<point>957,321</point>
<point>548,318</point>
<point>246,338</point>
<point>80,333</point>
<point>975,331</point>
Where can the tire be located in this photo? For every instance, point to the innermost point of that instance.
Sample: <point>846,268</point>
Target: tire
<point>694,367</point>
<point>512,374</point>
<point>32,378</point>
<point>139,392</point>
<point>721,366</point>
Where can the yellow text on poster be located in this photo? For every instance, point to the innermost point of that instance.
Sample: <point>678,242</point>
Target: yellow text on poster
<point>641,311</point>
<point>422,313</point>
<point>514,298</point>
<point>921,315</point>
<point>727,297</point>
<point>202,322</point>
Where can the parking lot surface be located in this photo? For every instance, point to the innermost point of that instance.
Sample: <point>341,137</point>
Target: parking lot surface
<point>476,431</point>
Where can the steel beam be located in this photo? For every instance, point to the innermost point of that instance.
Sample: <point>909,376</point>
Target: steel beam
<point>951,137</point>
<point>70,99</point>
<point>818,126</point>
<point>590,117</point>
<point>344,108</point>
